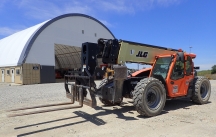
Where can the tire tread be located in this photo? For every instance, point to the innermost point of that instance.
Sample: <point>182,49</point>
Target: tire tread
<point>138,94</point>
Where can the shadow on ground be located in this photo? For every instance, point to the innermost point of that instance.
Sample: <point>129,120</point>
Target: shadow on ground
<point>119,111</point>
<point>178,104</point>
<point>95,121</point>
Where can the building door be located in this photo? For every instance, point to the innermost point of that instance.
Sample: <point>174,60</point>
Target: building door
<point>12,75</point>
<point>2,71</point>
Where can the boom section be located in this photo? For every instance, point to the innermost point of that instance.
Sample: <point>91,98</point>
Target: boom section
<point>141,53</point>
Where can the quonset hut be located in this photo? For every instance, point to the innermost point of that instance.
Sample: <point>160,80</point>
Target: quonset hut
<point>33,55</point>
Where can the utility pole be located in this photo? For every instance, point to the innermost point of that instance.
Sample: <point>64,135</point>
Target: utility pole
<point>190,49</point>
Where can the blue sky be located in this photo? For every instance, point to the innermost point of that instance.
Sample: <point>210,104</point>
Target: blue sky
<point>169,23</point>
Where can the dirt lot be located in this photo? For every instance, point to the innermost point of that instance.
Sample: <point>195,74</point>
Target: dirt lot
<point>179,117</point>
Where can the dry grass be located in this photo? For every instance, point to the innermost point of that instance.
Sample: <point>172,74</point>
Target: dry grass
<point>207,73</point>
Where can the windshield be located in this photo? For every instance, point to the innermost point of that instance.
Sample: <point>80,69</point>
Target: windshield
<point>161,66</point>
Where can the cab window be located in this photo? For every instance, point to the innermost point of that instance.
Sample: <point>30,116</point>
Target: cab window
<point>161,66</point>
<point>189,66</point>
<point>178,70</point>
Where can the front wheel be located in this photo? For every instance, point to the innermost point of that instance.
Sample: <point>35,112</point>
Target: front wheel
<point>201,91</point>
<point>149,97</point>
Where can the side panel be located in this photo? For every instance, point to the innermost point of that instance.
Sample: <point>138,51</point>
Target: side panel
<point>26,74</point>
<point>35,71</point>
<point>31,74</point>
<point>178,88</point>
<point>18,75</point>
<point>47,74</point>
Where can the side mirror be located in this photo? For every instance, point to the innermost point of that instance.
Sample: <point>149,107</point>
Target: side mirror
<point>180,56</point>
<point>196,68</point>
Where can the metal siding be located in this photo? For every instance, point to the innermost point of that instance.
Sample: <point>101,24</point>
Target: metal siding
<point>47,74</point>
<point>15,48</point>
<point>66,31</point>
<point>12,47</point>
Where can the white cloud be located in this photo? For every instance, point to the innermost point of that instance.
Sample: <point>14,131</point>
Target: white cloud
<point>46,10</point>
<point>5,31</point>
<point>127,6</point>
<point>120,6</point>
<point>106,23</point>
<point>41,9</point>
<point>167,2</point>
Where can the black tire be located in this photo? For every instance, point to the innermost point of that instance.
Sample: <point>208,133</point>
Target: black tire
<point>149,97</point>
<point>107,102</point>
<point>201,90</point>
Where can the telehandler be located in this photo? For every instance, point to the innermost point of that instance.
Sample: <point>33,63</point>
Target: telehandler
<point>171,76</point>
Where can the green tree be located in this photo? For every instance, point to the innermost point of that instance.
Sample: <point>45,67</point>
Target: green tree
<point>213,71</point>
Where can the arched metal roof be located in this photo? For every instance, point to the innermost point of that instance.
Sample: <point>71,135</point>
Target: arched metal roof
<point>14,49</point>
<point>55,19</point>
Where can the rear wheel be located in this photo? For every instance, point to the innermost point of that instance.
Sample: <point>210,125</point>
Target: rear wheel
<point>202,90</point>
<point>149,97</point>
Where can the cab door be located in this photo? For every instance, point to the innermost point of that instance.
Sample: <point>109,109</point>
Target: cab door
<point>2,75</point>
<point>176,82</point>
<point>188,71</point>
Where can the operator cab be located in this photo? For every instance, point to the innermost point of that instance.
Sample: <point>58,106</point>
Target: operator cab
<point>175,72</point>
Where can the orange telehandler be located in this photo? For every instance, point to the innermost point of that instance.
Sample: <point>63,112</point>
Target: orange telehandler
<point>171,76</point>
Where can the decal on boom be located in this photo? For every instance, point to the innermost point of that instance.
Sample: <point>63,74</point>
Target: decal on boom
<point>142,54</point>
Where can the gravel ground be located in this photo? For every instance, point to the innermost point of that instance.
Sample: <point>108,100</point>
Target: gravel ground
<point>179,117</point>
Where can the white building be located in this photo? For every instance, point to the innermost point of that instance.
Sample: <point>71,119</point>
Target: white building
<point>32,55</point>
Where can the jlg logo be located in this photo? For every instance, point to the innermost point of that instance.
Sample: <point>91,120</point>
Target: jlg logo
<point>142,54</point>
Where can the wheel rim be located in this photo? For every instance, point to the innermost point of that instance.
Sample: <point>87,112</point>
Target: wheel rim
<point>153,98</point>
<point>204,90</point>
